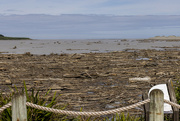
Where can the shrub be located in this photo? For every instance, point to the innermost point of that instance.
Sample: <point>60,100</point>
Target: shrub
<point>32,113</point>
<point>1,35</point>
<point>39,115</point>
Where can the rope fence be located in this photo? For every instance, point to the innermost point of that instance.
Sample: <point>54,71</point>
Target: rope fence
<point>5,106</point>
<point>172,104</point>
<point>74,113</point>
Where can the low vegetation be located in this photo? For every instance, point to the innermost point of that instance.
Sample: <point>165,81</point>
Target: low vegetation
<point>39,115</point>
<point>177,91</point>
<point>2,37</point>
<point>33,114</point>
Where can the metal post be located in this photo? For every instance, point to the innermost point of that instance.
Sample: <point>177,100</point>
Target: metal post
<point>156,112</point>
<point>19,110</point>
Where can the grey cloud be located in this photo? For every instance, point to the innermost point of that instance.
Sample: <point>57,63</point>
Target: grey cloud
<point>13,10</point>
<point>74,26</point>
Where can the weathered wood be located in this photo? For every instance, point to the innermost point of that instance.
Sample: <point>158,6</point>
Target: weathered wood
<point>146,106</point>
<point>173,99</point>
<point>19,110</point>
<point>156,112</point>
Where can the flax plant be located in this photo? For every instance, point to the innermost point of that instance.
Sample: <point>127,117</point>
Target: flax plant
<point>32,114</point>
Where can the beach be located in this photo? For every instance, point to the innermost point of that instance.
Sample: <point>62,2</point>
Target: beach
<point>94,75</point>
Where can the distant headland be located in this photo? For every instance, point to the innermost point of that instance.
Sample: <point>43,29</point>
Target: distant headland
<point>2,37</point>
<point>172,37</point>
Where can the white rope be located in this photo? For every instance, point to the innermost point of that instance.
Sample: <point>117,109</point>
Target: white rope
<point>73,113</point>
<point>5,106</point>
<point>172,103</point>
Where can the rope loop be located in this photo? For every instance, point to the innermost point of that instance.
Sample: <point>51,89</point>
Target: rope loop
<point>74,113</point>
<point>99,113</point>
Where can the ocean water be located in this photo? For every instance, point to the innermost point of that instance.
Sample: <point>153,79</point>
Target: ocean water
<point>60,46</point>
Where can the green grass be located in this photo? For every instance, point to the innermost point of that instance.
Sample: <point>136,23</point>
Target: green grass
<point>177,91</point>
<point>123,117</point>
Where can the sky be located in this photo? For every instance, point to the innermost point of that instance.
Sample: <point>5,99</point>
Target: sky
<point>89,19</point>
<point>114,7</point>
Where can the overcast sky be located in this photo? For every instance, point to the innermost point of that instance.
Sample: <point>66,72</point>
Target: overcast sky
<point>115,7</point>
<point>89,18</point>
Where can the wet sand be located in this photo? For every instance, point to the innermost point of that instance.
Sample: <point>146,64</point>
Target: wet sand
<point>82,46</point>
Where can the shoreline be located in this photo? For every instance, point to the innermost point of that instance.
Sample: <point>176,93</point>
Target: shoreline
<point>41,47</point>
